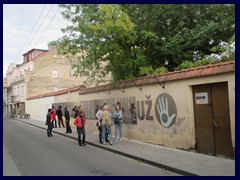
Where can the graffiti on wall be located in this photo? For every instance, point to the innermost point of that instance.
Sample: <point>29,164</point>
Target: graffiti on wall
<point>144,108</point>
<point>91,107</point>
<point>165,108</point>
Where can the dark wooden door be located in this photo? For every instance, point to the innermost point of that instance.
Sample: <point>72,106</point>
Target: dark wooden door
<point>203,121</point>
<point>221,120</point>
<point>212,119</point>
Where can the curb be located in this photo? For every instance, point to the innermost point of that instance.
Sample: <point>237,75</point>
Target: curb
<point>159,165</point>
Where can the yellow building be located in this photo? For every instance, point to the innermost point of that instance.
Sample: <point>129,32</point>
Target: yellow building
<point>42,71</point>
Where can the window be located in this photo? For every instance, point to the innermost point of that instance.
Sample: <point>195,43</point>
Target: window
<point>55,73</point>
<point>22,91</point>
<point>55,88</point>
<point>72,73</point>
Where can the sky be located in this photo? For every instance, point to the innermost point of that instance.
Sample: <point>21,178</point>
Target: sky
<point>23,29</point>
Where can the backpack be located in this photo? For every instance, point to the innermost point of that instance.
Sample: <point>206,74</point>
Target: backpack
<point>115,118</point>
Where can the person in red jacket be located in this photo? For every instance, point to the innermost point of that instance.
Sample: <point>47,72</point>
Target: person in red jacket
<point>53,115</point>
<point>80,122</point>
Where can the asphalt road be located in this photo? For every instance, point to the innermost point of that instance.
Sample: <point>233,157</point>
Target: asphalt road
<point>30,152</point>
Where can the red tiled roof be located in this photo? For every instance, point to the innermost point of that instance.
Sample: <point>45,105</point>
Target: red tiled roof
<point>213,69</point>
<point>201,71</point>
<point>40,55</point>
<point>33,50</point>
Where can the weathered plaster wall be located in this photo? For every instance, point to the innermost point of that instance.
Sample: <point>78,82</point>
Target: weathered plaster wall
<point>37,108</point>
<point>181,134</point>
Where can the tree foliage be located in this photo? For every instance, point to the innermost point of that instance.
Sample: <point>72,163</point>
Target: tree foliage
<point>133,40</point>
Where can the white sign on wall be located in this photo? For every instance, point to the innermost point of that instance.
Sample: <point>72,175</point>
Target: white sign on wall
<point>201,98</point>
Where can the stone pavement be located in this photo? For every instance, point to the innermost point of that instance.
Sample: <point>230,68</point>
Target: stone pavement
<point>178,161</point>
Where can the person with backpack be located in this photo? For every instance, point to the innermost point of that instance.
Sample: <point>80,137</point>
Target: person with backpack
<point>118,121</point>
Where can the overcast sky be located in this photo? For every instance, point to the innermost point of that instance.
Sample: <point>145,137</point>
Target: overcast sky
<point>18,25</point>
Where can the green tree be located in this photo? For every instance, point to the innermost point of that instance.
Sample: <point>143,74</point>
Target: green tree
<point>177,33</point>
<point>138,39</point>
<point>106,34</point>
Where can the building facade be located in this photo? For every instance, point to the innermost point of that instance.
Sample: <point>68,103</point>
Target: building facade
<point>42,71</point>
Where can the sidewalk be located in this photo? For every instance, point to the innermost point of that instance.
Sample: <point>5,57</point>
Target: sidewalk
<point>178,161</point>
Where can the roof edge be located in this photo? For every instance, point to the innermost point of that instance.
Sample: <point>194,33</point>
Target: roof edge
<point>76,88</point>
<point>170,76</point>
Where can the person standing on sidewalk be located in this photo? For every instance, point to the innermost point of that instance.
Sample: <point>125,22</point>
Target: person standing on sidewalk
<point>53,115</point>
<point>49,123</point>
<point>99,123</point>
<point>106,124</point>
<point>98,116</point>
<point>59,115</point>
<point>76,109</point>
<point>67,119</point>
<point>80,122</point>
<point>118,121</point>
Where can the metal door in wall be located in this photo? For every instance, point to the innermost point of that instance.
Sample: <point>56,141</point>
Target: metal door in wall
<point>212,119</point>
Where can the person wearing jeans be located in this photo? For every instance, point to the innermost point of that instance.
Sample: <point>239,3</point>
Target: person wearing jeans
<point>118,121</point>
<point>106,124</point>
<point>80,122</point>
<point>107,128</point>
<point>49,123</point>
<point>118,126</point>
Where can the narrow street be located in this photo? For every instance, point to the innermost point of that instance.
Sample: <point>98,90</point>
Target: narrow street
<point>34,154</point>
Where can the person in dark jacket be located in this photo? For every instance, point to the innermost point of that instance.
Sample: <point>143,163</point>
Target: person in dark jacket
<point>49,123</point>
<point>67,119</point>
<point>76,109</point>
<point>59,114</point>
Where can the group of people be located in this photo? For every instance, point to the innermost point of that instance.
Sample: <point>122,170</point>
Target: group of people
<point>104,122</point>
<point>79,122</point>
<point>51,119</point>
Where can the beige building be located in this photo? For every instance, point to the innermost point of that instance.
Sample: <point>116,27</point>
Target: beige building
<point>14,87</point>
<point>192,109</point>
<point>51,73</point>
<point>42,71</point>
